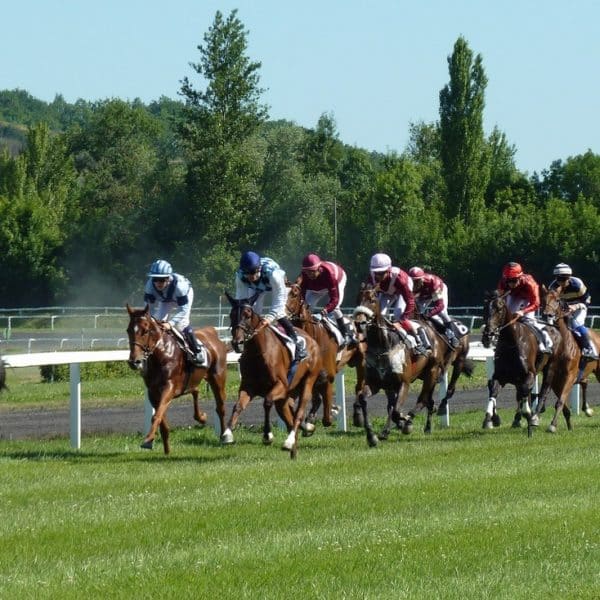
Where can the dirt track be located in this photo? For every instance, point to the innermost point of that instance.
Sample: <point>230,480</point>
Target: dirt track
<point>44,423</point>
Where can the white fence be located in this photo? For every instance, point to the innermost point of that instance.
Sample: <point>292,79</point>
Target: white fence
<point>75,359</point>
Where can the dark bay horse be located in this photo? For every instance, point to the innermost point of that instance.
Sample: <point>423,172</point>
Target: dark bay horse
<point>334,359</point>
<point>555,311</point>
<point>391,366</point>
<point>267,370</point>
<point>517,361</point>
<point>167,373</point>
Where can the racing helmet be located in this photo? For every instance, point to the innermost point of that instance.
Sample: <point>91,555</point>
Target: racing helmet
<point>416,273</point>
<point>380,263</point>
<point>562,270</point>
<point>160,269</point>
<point>512,270</point>
<point>311,262</point>
<point>249,262</point>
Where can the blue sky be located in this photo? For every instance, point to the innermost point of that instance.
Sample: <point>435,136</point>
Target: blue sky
<point>376,65</point>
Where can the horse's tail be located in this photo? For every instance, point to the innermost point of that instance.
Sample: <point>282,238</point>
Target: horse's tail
<point>2,375</point>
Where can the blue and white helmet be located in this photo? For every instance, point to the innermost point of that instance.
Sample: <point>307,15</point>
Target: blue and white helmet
<point>160,269</point>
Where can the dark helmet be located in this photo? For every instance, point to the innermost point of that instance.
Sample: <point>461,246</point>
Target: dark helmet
<point>250,262</point>
<point>311,262</point>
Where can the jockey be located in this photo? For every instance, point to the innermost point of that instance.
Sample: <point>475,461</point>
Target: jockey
<point>166,291</point>
<point>523,299</point>
<point>431,298</point>
<point>574,292</point>
<point>394,290</point>
<point>262,274</point>
<point>321,278</point>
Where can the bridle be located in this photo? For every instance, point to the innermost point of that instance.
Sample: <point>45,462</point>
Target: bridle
<point>147,350</point>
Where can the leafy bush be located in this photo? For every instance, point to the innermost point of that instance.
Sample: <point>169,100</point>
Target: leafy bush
<point>89,371</point>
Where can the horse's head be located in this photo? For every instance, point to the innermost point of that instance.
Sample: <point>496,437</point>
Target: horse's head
<point>295,306</point>
<point>552,307</point>
<point>495,314</point>
<point>144,336</point>
<point>244,320</point>
<point>367,307</point>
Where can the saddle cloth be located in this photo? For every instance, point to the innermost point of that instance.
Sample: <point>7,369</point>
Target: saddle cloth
<point>183,344</point>
<point>287,341</point>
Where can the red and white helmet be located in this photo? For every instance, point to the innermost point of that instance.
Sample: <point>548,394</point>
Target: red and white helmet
<point>311,262</point>
<point>416,273</point>
<point>380,262</point>
<point>512,270</point>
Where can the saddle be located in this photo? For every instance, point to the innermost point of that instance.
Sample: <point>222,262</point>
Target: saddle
<point>331,328</point>
<point>188,352</point>
<point>284,338</point>
<point>539,335</point>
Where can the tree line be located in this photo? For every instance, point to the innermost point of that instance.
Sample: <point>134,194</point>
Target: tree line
<point>92,192</point>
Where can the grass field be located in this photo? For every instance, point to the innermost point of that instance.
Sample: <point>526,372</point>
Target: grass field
<point>462,513</point>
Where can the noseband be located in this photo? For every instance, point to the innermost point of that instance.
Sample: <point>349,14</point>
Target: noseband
<point>146,349</point>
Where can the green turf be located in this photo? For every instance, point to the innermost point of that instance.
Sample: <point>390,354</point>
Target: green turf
<point>462,513</point>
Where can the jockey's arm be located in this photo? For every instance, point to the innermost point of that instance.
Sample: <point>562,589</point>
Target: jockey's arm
<point>278,297</point>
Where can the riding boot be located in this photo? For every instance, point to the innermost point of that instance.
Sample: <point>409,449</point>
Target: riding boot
<point>451,337</point>
<point>423,346</point>
<point>349,339</point>
<point>587,350</point>
<point>197,348</point>
<point>299,341</point>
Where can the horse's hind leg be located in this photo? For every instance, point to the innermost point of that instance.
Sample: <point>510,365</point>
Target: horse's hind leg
<point>267,433</point>
<point>164,434</point>
<point>372,439</point>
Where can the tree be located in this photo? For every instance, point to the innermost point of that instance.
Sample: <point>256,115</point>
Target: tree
<point>219,129</point>
<point>463,150</point>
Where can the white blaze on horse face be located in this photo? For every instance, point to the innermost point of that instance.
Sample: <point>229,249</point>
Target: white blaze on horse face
<point>136,328</point>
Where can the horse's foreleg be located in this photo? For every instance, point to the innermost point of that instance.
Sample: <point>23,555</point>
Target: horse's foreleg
<point>242,401</point>
<point>267,433</point>
<point>217,385</point>
<point>361,401</point>
<point>491,418</point>
<point>164,434</point>
<point>199,416</point>
<point>585,407</point>
<point>160,406</point>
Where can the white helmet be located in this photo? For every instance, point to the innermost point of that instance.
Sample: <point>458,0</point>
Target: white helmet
<point>380,262</point>
<point>160,269</point>
<point>562,269</point>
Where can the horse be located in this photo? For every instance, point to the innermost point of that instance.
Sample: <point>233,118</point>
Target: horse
<point>556,312</point>
<point>157,353</point>
<point>267,369</point>
<point>391,366</point>
<point>517,360</point>
<point>333,357</point>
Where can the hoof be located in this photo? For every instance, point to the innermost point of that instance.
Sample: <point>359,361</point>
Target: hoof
<point>407,428</point>
<point>372,441</point>
<point>357,420</point>
<point>227,437</point>
<point>487,422</point>
<point>589,412</point>
<point>307,429</point>
<point>268,438</point>
<point>516,424</point>
<point>442,410</point>
<point>551,429</point>
<point>496,420</point>
<point>384,435</point>
<point>147,445</point>
<point>201,419</point>
<point>534,421</point>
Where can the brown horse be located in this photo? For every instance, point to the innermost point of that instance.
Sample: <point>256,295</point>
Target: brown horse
<point>556,311</point>
<point>334,358</point>
<point>157,353</point>
<point>517,360</point>
<point>267,369</point>
<point>384,369</point>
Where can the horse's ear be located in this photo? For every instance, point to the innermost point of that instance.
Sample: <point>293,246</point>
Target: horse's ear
<point>147,309</point>
<point>544,288</point>
<point>253,299</point>
<point>298,280</point>
<point>129,310</point>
